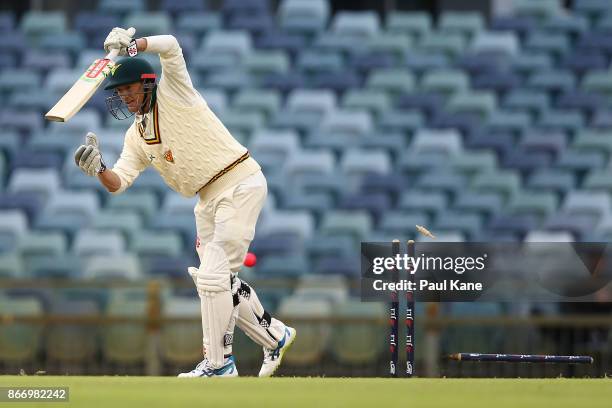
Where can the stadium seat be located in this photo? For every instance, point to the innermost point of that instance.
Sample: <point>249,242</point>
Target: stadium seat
<point>529,202</point>
<point>117,267</point>
<point>149,23</point>
<point>198,22</point>
<point>539,9</point>
<point>445,43</point>
<point>312,343</point>
<point>235,42</point>
<point>20,342</point>
<point>587,202</point>
<point>598,180</point>
<point>552,81</point>
<point>11,266</point>
<point>430,202</point>
<point>261,63</point>
<point>529,63</point>
<point>466,23</point>
<point>506,182</point>
<point>302,16</point>
<point>283,266</point>
<point>357,224</point>
<point>480,103</point>
<point>91,242</point>
<point>393,81</point>
<point>554,44</point>
<point>125,343</point>
<point>267,102</point>
<point>445,81</point>
<point>483,204</point>
<point>37,24</point>
<point>495,42</point>
<point>70,345</point>
<point>120,7</point>
<point>412,23</point>
<point>13,226</point>
<point>356,23</point>
<point>181,338</point>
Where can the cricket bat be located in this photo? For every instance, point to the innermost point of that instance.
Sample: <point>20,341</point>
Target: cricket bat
<point>83,89</point>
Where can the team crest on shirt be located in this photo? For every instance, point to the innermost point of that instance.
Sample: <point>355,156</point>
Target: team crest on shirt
<point>168,156</point>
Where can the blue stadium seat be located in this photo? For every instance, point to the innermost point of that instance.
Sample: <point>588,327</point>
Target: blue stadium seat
<point>495,42</point>
<point>468,224</point>
<point>304,16</point>
<point>484,204</point>
<point>245,7</point>
<point>500,82</point>
<point>426,201</point>
<point>30,203</point>
<point>554,44</point>
<point>198,22</point>
<point>322,246</point>
<point>13,226</point>
<point>356,23</point>
<point>375,203</point>
<point>311,62</point>
<point>7,21</point>
<point>427,102</point>
<point>528,63</point>
<point>579,225</point>
<point>36,24</point>
<point>113,267</point>
<point>526,161</point>
<point>120,7</point>
<point>184,6</point>
<point>537,140</point>
<point>348,121</point>
<point>451,45</point>
<point>528,99</point>
<point>290,43</point>
<point>443,180</point>
<point>275,266</point>
<point>539,9</point>
<point>412,23</point>
<point>552,81</point>
<point>339,81</point>
<point>149,23</point>
<point>356,224</point>
<point>557,180</point>
<point>466,23</point>
<point>72,42</point>
<point>518,225</point>
<point>90,242</point>
<point>47,59</point>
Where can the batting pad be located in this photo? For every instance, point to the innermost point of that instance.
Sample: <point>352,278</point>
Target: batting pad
<point>255,321</point>
<point>217,304</point>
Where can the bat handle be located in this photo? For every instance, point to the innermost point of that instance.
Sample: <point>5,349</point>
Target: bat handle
<point>112,54</point>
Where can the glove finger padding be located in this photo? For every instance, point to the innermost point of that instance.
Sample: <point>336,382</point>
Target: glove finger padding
<point>91,139</point>
<point>87,154</point>
<point>78,154</point>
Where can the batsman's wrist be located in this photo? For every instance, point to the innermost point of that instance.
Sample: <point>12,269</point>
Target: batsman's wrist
<point>102,168</point>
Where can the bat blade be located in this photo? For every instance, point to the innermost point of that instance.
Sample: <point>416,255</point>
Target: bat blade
<point>82,90</point>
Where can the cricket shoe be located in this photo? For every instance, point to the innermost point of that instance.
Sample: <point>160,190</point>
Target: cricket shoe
<point>203,369</point>
<point>273,357</point>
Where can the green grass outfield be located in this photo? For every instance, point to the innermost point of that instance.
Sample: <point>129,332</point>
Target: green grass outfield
<point>150,392</point>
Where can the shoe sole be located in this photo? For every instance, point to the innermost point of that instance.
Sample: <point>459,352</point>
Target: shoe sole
<point>280,357</point>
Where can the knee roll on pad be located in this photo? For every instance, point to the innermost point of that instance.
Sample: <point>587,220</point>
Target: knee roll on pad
<point>214,274</point>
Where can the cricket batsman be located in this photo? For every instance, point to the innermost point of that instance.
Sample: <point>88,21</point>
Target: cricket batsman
<point>175,131</point>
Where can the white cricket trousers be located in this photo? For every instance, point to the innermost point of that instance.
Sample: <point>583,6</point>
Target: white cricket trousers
<point>229,221</point>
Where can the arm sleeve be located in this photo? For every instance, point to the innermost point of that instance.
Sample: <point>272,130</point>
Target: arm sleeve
<point>175,80</point>
<point>131,162</point>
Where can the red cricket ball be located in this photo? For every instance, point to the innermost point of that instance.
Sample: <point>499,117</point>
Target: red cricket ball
<point>250,260</point>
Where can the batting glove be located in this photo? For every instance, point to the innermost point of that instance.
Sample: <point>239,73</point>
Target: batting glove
<point>88,157</point>
<point>119,39</point>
